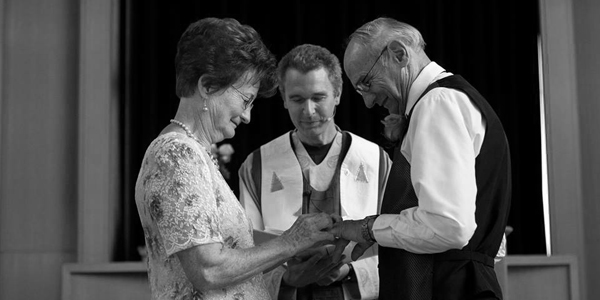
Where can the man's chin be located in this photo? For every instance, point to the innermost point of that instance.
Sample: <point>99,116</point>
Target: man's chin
<point>310,131</point>
<point>391,105</point>
<point>392,109</point>
<point>311,126</point>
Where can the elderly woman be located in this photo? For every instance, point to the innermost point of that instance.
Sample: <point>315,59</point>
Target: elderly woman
<point>199,239</point>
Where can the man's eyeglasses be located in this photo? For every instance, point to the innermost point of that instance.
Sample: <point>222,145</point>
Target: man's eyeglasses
<point>363,85</point>
<point>248,100</point>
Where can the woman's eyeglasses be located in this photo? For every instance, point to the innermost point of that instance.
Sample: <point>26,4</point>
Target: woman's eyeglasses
<point>248,100</point>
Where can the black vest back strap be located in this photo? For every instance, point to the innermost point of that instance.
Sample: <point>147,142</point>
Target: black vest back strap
<point>465,255</point>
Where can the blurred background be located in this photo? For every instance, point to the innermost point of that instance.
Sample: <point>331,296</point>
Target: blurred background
<point>493,44</point>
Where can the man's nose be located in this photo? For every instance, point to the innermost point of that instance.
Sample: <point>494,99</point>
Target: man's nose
<point>369,100</point>
<point>309,107</point>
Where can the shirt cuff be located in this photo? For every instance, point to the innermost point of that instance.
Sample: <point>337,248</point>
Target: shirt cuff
<point>382,231</point>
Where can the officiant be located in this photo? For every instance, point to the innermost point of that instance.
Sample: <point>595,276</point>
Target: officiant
<point>316,167</point>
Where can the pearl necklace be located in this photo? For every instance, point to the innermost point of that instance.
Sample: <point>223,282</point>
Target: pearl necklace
<point>189,133</point>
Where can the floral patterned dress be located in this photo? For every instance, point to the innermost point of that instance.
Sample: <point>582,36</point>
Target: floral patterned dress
<point>183,201</point>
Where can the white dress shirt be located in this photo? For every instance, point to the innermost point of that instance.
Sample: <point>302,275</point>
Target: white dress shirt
<point>444,137</point>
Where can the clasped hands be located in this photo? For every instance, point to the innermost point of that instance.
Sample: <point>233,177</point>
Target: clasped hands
<point>316,229</point>
<point>324,261</point>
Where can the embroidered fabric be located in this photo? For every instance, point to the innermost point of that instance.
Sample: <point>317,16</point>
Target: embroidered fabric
<point>183,201</point>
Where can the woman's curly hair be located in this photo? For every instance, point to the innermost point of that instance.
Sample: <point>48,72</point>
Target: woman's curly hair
<point>223,50</point>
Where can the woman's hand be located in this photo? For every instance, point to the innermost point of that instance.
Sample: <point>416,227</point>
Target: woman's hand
<point>309,230</point>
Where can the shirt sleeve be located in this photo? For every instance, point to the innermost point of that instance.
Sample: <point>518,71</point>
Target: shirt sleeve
<point>182,200</point>
<point>444,137</point>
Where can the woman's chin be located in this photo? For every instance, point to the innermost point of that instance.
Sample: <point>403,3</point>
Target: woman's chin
<point>229,134</point>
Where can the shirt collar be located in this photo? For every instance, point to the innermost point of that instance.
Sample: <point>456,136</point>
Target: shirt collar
<point>425,78</point>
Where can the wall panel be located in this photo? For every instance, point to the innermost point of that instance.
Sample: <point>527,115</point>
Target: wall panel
<point>38,145</point>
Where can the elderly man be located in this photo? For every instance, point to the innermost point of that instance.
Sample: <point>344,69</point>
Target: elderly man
<point>315,168</point>
<point>445,208</point>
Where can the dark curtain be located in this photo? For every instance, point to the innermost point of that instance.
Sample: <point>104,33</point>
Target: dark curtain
<point>493,44</point>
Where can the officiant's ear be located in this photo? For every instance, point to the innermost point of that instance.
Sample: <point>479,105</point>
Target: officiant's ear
<point>400,52</point>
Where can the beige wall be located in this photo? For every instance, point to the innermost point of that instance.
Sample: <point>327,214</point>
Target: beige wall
<point>38,145</point>
<point>587,47</point>
<point>51,113</point>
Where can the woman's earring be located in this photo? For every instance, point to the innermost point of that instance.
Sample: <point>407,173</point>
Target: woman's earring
<point>204,108</point>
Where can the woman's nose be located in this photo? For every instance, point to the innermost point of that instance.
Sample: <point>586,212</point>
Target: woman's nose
<point>246,115</point>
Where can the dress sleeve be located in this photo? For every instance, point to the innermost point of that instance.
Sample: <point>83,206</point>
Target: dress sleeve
<point>182,203</point>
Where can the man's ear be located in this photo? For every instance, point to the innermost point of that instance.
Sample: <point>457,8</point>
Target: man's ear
<point>400,52</point>
<point>283,99</point>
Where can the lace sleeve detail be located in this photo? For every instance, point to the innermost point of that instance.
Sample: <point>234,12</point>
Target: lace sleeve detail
<point>182,197</point>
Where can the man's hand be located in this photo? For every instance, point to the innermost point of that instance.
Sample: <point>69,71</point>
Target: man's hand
<point>359,250</point>
<point>347,231</point>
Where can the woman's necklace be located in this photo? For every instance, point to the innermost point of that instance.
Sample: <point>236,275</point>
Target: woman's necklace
<point>189,133</point>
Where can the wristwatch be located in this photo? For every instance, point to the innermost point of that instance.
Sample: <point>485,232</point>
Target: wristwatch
<point>366,233</point>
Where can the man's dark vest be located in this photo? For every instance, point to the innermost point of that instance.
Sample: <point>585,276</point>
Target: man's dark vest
<point>454,274</point>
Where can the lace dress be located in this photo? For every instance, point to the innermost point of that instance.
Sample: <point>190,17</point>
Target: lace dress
<point>183,201</point>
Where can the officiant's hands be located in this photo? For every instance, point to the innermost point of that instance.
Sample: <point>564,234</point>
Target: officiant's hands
<point>335,275</point>
<point>312,265</point>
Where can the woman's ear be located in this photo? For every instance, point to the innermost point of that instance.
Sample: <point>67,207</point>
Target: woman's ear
<point>203,89</point>
<point>400,52</point>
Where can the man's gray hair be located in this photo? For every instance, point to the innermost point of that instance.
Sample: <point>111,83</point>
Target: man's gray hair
<point>379,32</point>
